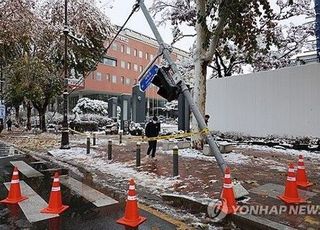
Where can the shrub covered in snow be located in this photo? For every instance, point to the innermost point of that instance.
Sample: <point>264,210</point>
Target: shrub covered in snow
<point>100,120</point>
<point>89,106</point>
<point>54,117</point>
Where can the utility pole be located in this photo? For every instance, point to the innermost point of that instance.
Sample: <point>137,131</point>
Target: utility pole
<point>317,10</point>
<point>65,126</point>
<point>1,69</point>
<point>2,118</point>
<point>184,89</point>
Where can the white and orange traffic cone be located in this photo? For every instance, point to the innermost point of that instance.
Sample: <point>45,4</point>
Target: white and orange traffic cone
<point>14,195</point>
<point>291,195</point>
<point>55,201</point>
<point>302,179</point>
<point>229,204</point>
<point>131,215</point>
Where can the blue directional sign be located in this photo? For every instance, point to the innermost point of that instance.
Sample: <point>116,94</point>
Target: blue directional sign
<point>146,80</point>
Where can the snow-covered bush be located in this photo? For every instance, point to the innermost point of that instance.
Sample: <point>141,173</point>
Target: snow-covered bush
<point>54,117</point>
<point>100,120</point>
<point>86,105</point>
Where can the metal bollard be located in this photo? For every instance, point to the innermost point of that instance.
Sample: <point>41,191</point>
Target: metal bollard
<point>109,149</point>
<point>138,154</point>
<point>120,136</point>
<point>88,143</point>
<point>94,139</point>
<point>175,160</point>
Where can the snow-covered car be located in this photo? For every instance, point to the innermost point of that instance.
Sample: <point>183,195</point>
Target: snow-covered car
<point>112,126</point>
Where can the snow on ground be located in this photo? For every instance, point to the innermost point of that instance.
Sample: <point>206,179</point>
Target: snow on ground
<point>291,152</point>
<point>157,184</point>
<point>271,164</point>
<point>231,158</point>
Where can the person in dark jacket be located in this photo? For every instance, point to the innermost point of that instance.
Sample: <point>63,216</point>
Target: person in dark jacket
<point>152,130</point>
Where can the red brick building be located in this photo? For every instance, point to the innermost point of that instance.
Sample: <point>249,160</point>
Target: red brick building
<point>121,68</point>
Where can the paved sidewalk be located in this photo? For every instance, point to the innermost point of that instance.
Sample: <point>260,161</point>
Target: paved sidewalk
<point>200,176</point>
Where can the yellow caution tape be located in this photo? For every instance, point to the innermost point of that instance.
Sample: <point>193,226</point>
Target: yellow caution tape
<point>85,133</point>
<point>204,131</point>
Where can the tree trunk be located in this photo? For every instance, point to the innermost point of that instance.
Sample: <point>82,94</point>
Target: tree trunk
<point>42,119</point>
<point>29,107</point>
<point>17,117</point>
<point>200,71</point>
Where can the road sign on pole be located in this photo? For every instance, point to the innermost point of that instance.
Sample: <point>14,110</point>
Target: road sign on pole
<point>146,80</point>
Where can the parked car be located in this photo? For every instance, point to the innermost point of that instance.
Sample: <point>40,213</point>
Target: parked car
<point>112,126</point>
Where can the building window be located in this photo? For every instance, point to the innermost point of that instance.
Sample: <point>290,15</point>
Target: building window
<point>98,76</point>
<point>151,57</point>
<point>114,46</point>
<point>135,81</point>
<point>128,50</point>
<point>135,52</point>
<point>123,64</point>
<point>140,54</point>
<point>122,79</point>
<point>114,79</point>
<point>140,68</point>
<point>122,48</point>
<point>129,65</point>
<point>135,67</point>
<point>147,56</point>
<point>128,81</point>
<point>109,61</point>
<point>108,77</point>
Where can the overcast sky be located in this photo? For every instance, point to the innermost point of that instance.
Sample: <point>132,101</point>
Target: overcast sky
<point>122,8</point>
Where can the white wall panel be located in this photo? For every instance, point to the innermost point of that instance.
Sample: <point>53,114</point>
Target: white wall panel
<point>283,102</point>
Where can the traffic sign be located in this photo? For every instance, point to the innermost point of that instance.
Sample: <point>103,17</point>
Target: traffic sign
<point>146,80</point>
<point>2,111</point>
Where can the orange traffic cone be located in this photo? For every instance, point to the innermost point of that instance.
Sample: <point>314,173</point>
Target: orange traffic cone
<point>229,204</point>
<point>131,215</point>
<point>14,195</point>
<point>55,201</point>
<point>291,195</point>
<point>302,179</point>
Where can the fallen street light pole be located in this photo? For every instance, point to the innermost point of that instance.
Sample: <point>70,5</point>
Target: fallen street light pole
<point>184,89</point>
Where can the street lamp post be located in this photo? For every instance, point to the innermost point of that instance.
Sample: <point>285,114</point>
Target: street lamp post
<point>65,126</point>
<point>2,117</point>
<point>1,71</point>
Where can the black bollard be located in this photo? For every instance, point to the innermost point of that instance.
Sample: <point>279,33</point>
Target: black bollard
<point>138,154</point>
<point>88,143</point>
<point>94,139</point>
<point>175,160</point>
<point>120,136</point>
<point>109,149</point>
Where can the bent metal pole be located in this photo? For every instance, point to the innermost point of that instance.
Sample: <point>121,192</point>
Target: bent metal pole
<point>194,108</point>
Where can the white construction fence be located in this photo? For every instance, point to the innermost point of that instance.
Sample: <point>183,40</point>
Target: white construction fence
<point>284,102</point>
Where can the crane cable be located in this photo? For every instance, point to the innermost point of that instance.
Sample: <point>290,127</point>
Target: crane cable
<point>135,8</point>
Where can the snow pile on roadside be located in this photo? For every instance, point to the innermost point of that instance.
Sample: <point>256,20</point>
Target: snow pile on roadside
<point>157,184</point>
<point>231,158</point>
<point>291,152</point>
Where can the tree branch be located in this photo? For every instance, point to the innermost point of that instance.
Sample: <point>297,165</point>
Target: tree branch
<point>216,34</point>
<point>175,40</point>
